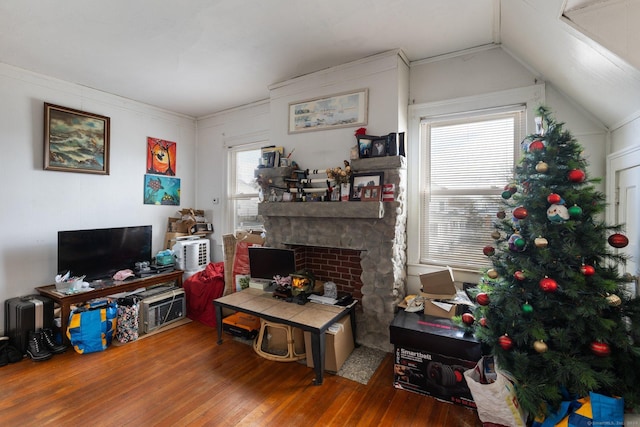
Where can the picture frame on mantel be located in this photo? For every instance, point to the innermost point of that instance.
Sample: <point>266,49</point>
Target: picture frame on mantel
<point>361,180</point>
<point>75,141</point>
<point>345,109</point>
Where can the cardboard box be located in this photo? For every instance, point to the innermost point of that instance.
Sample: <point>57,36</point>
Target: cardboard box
<point>442,299</point>
<point>431,353</point>
<point>339,345</point>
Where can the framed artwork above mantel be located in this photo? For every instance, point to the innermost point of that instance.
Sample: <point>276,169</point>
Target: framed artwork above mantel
<point>329,112</point>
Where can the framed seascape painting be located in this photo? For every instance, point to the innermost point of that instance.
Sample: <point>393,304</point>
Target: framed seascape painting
<point>75,141</point>
<point>329,112</point>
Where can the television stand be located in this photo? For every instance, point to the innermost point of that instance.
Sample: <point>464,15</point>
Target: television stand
<point>66,301</point>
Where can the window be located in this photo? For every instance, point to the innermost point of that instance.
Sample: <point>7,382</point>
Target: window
<point>466,161</point>
<point>243,190</point>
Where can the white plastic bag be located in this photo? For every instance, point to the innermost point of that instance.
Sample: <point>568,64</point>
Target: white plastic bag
<point>496,401</point>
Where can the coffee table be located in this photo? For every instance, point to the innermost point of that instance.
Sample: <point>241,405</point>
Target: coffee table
<point>311,317</point>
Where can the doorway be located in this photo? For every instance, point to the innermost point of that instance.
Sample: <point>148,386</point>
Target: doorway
<point>623,204</point>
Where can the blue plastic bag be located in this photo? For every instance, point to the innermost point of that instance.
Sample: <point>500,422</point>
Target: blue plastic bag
<point>595,409</point>
<point>91,327</point>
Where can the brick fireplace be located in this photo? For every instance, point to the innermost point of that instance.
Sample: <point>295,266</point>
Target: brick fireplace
<point>360,246</point>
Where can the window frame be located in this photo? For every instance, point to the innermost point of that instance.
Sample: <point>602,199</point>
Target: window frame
<point>531,97</point>
<point>515,112</point>
<point>251,143</point>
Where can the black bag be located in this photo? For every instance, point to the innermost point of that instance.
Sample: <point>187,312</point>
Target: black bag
<point>25,314</point>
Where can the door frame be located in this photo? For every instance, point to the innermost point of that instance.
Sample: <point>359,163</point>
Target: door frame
<point>616,162</point>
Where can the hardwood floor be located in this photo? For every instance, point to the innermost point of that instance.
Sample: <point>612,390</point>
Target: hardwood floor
<point>182,377</point>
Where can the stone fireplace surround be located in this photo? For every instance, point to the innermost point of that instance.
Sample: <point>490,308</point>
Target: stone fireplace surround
<point>375,230</point>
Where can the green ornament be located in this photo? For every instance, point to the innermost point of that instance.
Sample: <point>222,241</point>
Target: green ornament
<point>575,211</point>
<point>520,243</point>
<point>527,308</point>
<point>506,194</point>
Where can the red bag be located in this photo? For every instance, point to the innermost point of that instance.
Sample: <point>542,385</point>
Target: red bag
<point>200,291</point>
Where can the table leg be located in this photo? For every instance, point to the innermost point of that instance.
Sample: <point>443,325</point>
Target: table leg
<point>352,315</point>
<point>65,312</point>
<point>318,349</point>
<point>218,309</point>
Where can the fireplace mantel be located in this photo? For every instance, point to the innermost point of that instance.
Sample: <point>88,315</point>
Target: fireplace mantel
<point>334,210</point>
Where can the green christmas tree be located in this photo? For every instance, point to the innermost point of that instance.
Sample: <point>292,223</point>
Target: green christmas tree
<point>552,309</point>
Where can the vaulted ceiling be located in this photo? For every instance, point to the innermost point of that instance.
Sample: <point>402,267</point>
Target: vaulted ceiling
<point>198,57</point>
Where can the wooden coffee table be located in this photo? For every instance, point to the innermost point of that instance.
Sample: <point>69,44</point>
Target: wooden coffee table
<point>311,317</point>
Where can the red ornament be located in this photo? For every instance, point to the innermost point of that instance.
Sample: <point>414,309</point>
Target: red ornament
<point>601,349</point>
<point>501,214</point>
<point>483,322</point>
<point>482,298</point>
<point>618,240</point>
<point>520,212</point>
<point>519,275</point>
<point>576,175</point>
<point>488,250</point>
<point>505,342</point>
<point>554,198</point>
<point>536,145</point>
<point>468,319</point>
<point>587,270</point>
<point>548,285</point>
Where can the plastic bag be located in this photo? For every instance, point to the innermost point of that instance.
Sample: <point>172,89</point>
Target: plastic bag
<point>91,327</point>
<point>593,410</point>
<point>496,401</point>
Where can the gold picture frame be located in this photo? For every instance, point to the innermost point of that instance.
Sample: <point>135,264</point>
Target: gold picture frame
<point>75,141</point>
<point>345,109</point>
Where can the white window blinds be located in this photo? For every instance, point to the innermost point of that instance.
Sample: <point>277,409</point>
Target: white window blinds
<point>466,164</point>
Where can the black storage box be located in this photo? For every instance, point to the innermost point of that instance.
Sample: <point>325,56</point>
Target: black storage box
<point>431,355</point>
<point>25,314</point>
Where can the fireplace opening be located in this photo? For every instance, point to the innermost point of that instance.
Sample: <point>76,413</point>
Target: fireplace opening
<point>337,265</point>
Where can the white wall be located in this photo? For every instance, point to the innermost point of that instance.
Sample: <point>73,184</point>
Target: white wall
<point>36,204</point>
<point>383,75</point>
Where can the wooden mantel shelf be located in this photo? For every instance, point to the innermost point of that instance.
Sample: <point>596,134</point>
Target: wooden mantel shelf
<point>362,210</point>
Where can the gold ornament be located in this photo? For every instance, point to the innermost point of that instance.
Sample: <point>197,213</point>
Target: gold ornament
<point>492,274</point>
<point>540,346</point>
<point>614,300</point>
<point>495,235</point>
<point>542,167</point>
<point>541,242</point>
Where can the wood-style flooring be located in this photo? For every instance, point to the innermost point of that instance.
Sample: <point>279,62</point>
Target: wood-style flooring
<point>182,377</point>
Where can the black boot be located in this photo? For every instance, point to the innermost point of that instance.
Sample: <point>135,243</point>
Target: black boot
<point>49,342</point>
<point>36,349</point>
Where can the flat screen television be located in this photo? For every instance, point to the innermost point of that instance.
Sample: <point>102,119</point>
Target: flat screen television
<point>100,253</point>
<point>265,263</point>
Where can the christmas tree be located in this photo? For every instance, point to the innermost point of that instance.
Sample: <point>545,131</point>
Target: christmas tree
<point>552,308</point>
